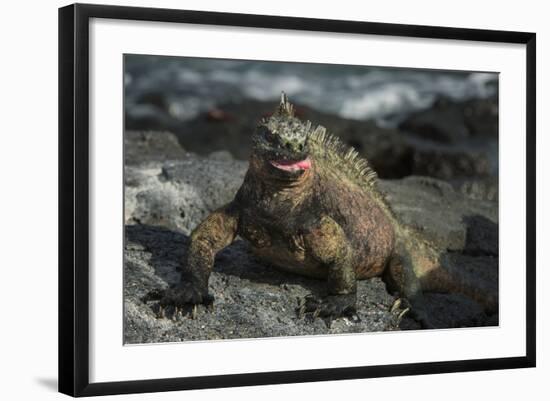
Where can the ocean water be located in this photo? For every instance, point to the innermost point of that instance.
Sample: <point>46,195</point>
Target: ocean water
<point>189,86</point>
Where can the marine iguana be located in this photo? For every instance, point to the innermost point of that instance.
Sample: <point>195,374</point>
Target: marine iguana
<point>309,204</point>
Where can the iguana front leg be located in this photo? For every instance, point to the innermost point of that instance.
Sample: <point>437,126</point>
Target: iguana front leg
<point>327,243</point>
<point>212,235</point>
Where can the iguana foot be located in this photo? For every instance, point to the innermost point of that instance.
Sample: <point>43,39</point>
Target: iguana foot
<point>329,308</point>
<point>417,313</point>
<point>182,297</point>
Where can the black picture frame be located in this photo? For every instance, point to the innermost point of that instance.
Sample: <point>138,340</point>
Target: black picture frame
<point>74,198</point>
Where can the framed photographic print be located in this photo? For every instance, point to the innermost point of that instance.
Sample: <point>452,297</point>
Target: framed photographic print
<point>295,199</point>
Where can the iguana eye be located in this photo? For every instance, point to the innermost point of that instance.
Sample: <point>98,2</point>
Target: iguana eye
<point>270,136</point>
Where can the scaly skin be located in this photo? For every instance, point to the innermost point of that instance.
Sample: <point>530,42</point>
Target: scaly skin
<point>309,205</point>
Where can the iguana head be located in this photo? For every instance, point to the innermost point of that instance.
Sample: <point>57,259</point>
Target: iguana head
<point>280,142</point>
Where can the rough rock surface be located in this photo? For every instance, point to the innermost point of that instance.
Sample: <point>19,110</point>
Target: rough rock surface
<point>144,146</point>
<point>164,201</point>
<point>179,194</point>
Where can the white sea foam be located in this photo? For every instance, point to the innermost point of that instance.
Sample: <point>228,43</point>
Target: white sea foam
<point>194,85</point>
<point>261,86</point>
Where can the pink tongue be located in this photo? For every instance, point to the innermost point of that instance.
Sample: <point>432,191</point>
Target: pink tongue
<point>303,164</point>
<point>288,165</point>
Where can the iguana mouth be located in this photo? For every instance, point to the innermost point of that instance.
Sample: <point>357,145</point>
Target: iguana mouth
<point>292,165</point>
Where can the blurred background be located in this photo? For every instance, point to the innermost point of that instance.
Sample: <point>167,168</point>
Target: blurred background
<point>442,124</point>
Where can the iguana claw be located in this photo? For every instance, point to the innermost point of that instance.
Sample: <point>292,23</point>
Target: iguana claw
<point>181,298</point>
<point>396,305</point>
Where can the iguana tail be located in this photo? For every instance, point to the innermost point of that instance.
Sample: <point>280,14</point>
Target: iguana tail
<point>417,267</point>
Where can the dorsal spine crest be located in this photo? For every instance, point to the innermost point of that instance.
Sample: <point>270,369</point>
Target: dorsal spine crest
<point>334,151</point>
<point>285,107</point>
